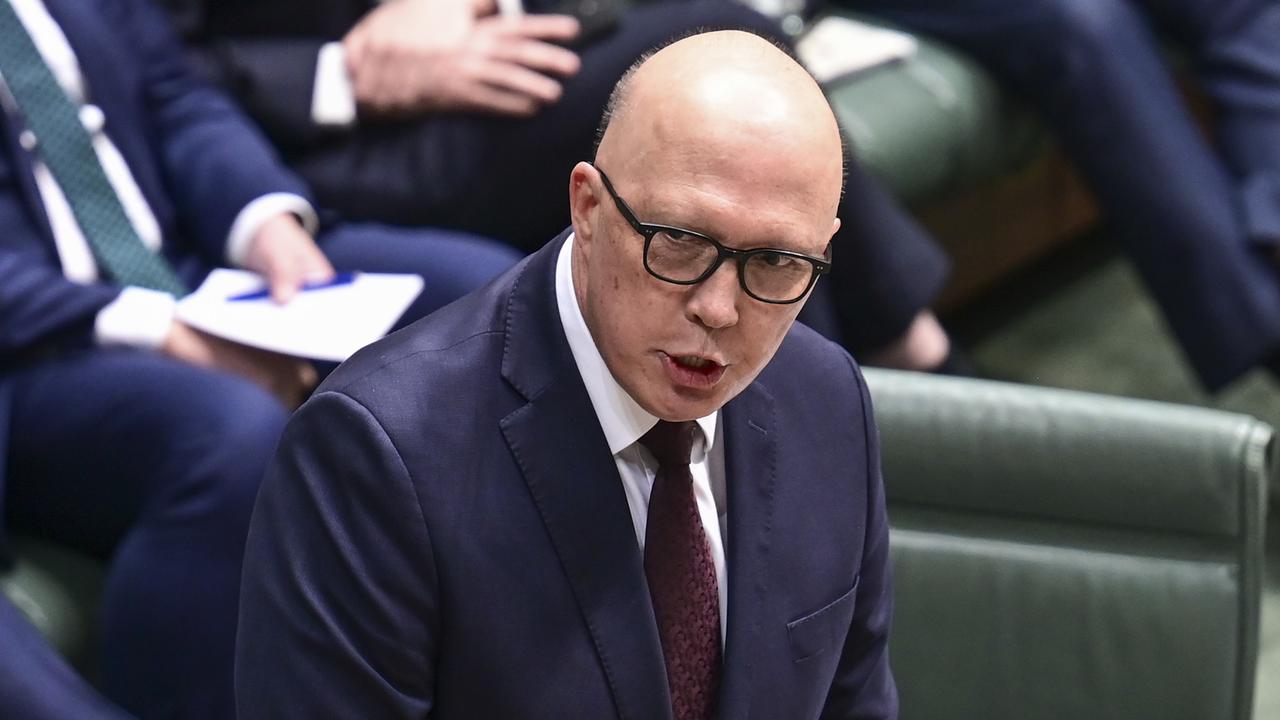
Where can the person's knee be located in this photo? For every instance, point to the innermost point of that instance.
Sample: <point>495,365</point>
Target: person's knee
<point>452,263</point>
<point>226,456</point>
<point>248,429</point>
<point>924,345</point>
<point>1087,33</point>
<point>472,262</point>
<point>248,423</point>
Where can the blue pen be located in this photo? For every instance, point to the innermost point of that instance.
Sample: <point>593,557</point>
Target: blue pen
<point>343,278</point>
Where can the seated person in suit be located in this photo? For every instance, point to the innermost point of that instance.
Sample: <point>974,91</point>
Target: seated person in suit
<point>618,482</point>
<point>445,113</point>
<point>1200,217</point>
<point>131,436</point>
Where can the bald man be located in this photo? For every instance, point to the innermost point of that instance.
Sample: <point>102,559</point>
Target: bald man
<point>618,483</point>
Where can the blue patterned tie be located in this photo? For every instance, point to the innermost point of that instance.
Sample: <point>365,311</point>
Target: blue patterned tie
<point>67,150</point>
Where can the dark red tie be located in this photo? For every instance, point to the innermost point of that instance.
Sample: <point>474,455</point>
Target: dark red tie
<point>682,576</point>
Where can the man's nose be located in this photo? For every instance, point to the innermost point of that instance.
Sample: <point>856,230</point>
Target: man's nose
<point>714,301</point>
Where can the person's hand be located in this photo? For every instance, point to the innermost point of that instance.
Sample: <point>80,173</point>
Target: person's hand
<point>287,378</point>
<point>435,55</point>
<point>401,33</point>
<point>286,255</point>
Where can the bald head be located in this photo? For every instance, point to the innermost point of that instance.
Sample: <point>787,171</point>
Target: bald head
<point>726,101</point>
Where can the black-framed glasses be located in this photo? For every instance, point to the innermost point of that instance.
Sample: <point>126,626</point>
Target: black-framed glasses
<point>686,257</point>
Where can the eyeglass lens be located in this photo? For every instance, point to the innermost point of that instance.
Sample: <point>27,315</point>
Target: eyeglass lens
<point>682,257</point>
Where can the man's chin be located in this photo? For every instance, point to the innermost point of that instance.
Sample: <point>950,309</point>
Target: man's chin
<point>674,401</point>
<point>683,404</point>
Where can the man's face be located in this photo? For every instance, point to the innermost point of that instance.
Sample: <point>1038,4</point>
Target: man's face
<point>684,351</point>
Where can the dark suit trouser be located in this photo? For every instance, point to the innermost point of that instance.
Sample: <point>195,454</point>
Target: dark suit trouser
<point>1197,220</point>
<point>508,178</point>
<point>452,263</point>
<point>154,465</point>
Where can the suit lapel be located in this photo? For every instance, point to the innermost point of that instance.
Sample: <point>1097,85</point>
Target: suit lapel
<point>562,453</point>
<point>95,38</point>
<point>90,37</point>
<point>751,477</point>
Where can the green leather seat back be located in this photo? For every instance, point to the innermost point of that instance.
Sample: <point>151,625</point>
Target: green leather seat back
<point>59,591</point>
<point>933,122</point>
<point>1065,555</point>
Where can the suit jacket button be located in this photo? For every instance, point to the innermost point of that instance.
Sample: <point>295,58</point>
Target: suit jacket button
<point>27,140</point>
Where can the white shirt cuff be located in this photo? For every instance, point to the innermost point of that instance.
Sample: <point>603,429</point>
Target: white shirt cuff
<point>333,100</point>
<point>138,317</point>
<point>255,214</point>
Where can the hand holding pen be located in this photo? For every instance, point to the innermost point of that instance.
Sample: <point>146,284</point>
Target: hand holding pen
<point>286,255</point>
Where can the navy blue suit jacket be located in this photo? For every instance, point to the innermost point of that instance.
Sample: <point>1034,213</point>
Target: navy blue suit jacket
<point>444,534</point>
<point>196,158</point>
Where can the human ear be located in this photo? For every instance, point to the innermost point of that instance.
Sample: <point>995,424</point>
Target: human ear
<point>584,201</point>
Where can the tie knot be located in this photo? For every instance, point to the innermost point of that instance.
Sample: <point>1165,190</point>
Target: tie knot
<point>671,442</point>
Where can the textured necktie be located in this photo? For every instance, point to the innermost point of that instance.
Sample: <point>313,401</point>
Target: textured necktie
<point>67,150</point>
<point>682,576</point>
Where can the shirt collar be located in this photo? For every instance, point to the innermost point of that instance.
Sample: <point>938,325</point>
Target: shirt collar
<point>622,419</point>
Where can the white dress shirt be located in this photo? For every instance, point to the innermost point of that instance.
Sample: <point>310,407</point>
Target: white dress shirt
<point>139,317</point>
<point>624,422</point>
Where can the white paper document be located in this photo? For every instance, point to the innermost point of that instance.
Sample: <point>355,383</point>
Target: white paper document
<point>837,46</point>
<point>322,323</point>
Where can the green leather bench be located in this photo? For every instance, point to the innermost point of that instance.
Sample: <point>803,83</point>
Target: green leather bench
<point>932,123</point>
<point>59,591</point>
<point>1067,555</point>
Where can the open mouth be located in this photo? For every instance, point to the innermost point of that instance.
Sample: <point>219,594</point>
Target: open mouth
<point>693,370</point>
<point>694,363</point>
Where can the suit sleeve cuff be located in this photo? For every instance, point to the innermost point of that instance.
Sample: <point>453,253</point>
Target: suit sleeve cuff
<point>138,317</point>
<point>255,214</point>
<point>333,100</point>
